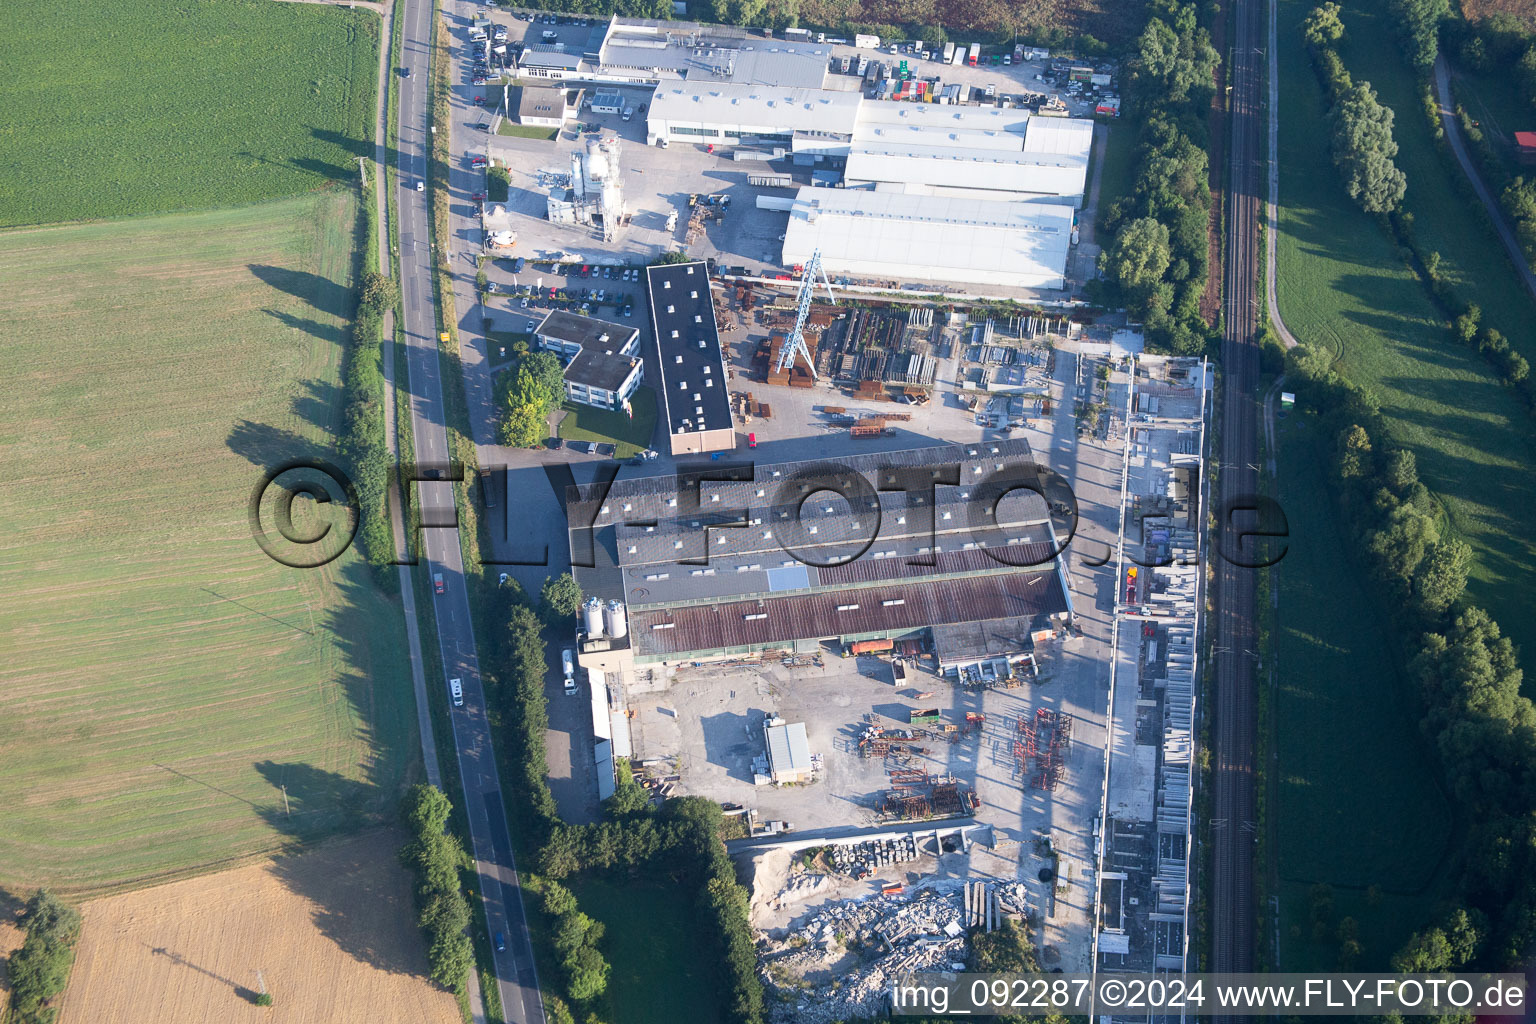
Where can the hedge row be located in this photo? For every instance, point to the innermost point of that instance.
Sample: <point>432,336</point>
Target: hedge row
<point>681,842</point>
<point>1157,258</point>
<point>442,911</point>
<point>39,970</point>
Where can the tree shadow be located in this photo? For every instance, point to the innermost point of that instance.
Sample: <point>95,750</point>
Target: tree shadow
<point>356,904</point>
<point>314,328</point>
<point>265,445</point>
<point>320,405</point>
<point>319,291</point>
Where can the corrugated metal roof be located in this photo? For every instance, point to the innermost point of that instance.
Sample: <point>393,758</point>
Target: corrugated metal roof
<point>931,238</point>
<point>879,609</point>
<point>770,108</point>
<point>1034,173</point>
<point>789,753</point>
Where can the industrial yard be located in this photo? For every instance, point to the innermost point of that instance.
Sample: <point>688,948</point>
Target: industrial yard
<point>921,717</point>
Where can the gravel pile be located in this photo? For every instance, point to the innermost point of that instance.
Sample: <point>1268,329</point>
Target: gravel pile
<point>841,962</point>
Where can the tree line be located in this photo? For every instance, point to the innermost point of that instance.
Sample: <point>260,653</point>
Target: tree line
<point>526,395</point>
<point>1359,126</point>
<point>1464,674</point>
<point>442,912</point>
<point>1157,259</point>
<point>1363,149</point>
<point>39,970</point>
<point>363,443</point>
<point>679,842</point>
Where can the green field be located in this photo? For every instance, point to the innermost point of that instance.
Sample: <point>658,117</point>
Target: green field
<point>584,423</point>
<point>1119,174</point>
<point>1357,801</point>
<point>166,683</point>
<point>1343,284</point>
<point>118,107</point>
<point>659,976</point>
<point>525,131</point>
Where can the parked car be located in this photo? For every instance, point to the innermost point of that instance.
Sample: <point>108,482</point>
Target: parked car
<point>608,273</point>
<point>525,303</point>
<point>478,161</point>
<point>478,197</point>
<point>437,583</point>
<point>517,265</point>
<point>629,309</point>
<point>456,690</point>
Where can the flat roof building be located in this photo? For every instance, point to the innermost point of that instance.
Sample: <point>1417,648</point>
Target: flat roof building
<point>931,238</point>
<point>957,169</point>
<point>546,106</point>
<point>728,560</point>
<point>725,114</point>
<point>696,403</point>
<point>568,333</point>
<point>602,363</point>
<point>663,51</point>
<point>789,752</point>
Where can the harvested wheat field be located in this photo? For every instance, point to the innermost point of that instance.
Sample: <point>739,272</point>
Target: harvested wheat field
<point>331,932</point>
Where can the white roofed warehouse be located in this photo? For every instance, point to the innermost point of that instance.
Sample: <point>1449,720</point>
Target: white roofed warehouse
<point>931,238</point>
<point>724,114</point>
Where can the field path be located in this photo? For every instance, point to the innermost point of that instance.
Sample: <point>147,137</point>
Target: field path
<point>1447,105</point>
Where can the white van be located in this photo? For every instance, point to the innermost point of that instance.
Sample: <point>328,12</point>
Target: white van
<point>456,690</point>
<point>629,112</point>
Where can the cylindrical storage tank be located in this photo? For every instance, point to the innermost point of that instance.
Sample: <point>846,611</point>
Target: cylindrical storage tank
<point>592,617</point>
<point>616,619</point>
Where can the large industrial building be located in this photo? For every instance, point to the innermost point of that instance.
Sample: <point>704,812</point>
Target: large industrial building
<point>930,238</point>
<point>662,51</point>
<point>695,390</point>
<point>726,114</point>
<point>633,51</point>
<point>705,569</point>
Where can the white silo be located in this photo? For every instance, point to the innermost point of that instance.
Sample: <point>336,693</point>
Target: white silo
<point>592,618</point>
<point>616,619</point>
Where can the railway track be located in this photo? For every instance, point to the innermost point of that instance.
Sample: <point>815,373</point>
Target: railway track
<point>1235,726</point>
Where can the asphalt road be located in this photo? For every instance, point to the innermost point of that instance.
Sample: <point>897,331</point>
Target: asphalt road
<point>1233,817</point>
<point>492,846</point>
<point>1447,105</point>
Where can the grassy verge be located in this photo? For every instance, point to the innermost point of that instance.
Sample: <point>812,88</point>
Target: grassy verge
<point>1344,286</point>
<point>1119,174</point>
<point>629,434</point>
<point>180,108</point>
<point>660,975</point>
<point>1358,805</point>
<point>526,131</point>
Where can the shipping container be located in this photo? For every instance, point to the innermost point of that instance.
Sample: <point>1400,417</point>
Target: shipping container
<point>771,180</point>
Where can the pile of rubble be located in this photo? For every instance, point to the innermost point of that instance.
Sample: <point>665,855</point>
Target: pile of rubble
<point>859,859</point>
<point>841,962</point>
